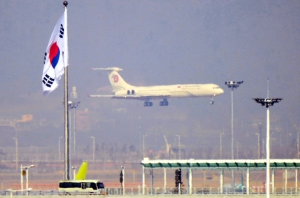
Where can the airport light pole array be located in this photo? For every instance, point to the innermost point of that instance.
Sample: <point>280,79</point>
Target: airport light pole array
<point>221,146</point>
<point>179,149</point>
<point>17,153</point>
<point>258,145</point>
<point>258,125</point>
<point>141,143</point>
<point>74,105</point>
<point>144,146</point>
<point>232,85</point>
<point>93,148</point>
<point>298,141</point>
<point>59,150</point>
<point>298,151</point>
<point>267,102</point>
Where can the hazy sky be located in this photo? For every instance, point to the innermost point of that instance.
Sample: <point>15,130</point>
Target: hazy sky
<point>157,42</point>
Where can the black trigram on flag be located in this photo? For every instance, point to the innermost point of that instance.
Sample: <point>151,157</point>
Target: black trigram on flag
<point>45,57</point>
<point>48,81</point>
<point>61,31</point>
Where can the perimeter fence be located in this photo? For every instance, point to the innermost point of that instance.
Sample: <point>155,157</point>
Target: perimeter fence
<point>157,191</point>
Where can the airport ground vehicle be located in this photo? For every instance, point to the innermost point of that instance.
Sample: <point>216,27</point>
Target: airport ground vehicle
<point>81,187</point>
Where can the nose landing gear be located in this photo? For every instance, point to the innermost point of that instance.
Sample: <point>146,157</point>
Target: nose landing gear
<point>212,101</point>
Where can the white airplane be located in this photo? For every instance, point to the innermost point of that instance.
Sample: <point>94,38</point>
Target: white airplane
<point>123,90</point>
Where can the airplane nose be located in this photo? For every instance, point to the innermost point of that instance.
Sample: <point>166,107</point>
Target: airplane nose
<point>221,91</point>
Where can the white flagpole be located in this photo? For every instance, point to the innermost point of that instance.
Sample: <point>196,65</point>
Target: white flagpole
<point>67,153</point>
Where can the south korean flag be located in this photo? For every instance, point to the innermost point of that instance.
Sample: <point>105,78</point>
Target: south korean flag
<point>56,56</point>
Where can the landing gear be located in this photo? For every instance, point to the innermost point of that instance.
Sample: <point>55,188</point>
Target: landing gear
<point>148,104</point>
<point>164,103</point>
<point>212,101</point>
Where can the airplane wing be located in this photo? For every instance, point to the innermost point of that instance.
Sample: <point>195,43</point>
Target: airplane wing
<point>136,97</point>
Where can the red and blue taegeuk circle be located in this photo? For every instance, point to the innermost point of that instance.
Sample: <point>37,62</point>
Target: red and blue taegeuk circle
<point>54,54</point>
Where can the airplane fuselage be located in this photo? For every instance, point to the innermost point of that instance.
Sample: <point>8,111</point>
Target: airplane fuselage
<point>178,90</point>
<point>123,90</point>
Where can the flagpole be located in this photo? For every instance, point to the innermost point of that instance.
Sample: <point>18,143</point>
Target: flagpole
<point>67,153</point>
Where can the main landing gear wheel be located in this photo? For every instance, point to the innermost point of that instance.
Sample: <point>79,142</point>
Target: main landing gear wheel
<point>148,104</point>
<point>164,103</point>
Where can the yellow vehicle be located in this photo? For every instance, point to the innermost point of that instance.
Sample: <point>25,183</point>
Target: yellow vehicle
<point>68,187</point>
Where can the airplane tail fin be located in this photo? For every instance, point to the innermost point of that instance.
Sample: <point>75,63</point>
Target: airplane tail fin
<point>115,79</point>
<point>81,175</point>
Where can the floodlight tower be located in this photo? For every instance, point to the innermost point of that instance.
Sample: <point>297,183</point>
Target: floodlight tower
<point>93,148</point>
<point>267,102</point>
<point>221,146</point>
<point>59,152</point>
<point>74,105</point>
<point>17,151</point>
<point>179,147</point>
<point>144,145</point>
<point>232,85</point>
